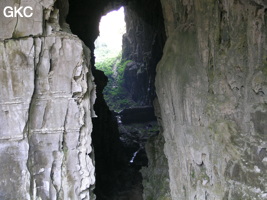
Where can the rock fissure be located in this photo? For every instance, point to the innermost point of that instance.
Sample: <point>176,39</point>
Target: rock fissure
<point>17,19</point>
<point>29,159</point>
<point>211,76</point>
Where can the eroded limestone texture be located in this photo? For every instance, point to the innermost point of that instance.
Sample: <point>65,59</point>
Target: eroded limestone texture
<point>45,118</point>
<point>46,98</point>
<point>22,26</point>
<point>212,86</point>
<point>60,121</point>
<point>142,44</point>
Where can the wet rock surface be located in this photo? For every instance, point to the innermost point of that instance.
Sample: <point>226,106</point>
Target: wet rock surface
<point>134,137</point>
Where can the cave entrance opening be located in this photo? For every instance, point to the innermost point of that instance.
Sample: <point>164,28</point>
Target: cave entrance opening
<point>112,26</point>
<point>120,134</point>
<point>108,58</point>
<point>134,119</point>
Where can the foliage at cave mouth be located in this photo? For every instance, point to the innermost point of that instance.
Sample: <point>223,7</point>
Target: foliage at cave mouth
<point>115,93</point>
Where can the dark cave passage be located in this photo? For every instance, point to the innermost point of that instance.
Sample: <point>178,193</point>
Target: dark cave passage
<point>119,138</point>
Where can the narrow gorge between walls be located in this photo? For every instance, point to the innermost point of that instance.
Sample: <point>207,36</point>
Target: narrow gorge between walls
<point>199,66</point>
<point>119,148</point>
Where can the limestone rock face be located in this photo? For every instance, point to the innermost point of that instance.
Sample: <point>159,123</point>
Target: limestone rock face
<point>17,86</point>
<point>143,45</point>
<point>46,98</point>
<point>18,26</point>
<point>212,86</point>
<point>156,175</point>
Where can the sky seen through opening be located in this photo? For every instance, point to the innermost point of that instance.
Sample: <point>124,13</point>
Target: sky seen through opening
<point>109,44</point>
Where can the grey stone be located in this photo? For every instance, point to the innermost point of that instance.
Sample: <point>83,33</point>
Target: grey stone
<point>37,24</point>
<point>211,85</point>
<point>45,122</point>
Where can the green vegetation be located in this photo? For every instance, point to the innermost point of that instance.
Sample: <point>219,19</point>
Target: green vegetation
<point>115,94</point>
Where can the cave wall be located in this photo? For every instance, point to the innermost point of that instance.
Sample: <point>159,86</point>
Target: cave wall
<point>211,85</point>
<point>84,17</point>
<point>143,44</point>
<point>46,95</point>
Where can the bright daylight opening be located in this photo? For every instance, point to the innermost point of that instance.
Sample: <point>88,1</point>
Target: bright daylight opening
<point>109,43</point>
<point>108,53</point>
<point>136,123</point>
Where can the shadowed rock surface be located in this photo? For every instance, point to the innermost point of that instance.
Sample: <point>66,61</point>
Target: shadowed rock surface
<point>137,114</point>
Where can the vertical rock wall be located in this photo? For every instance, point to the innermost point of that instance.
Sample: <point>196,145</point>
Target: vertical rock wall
<point>109,156</point>
<point>143,44</point>
<point>46,97</point>
<point>212,87</point>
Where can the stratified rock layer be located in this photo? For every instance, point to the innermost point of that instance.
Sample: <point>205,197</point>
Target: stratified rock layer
<point>45,119</point>
<point>46,97</point>
<point>212,86</point>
